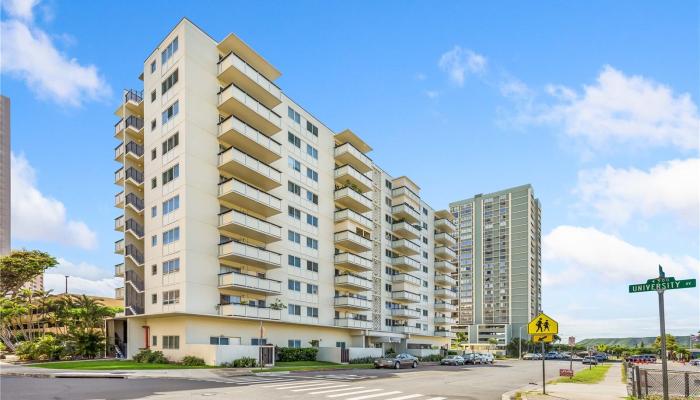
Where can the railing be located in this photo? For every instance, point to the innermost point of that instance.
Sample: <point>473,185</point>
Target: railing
<point>407,278</point>
<point>249,281</point>
<point>352,237</point>
<point>350,149</point>
<point>134,226</point>
<point>347,301</point>
<point>133,95</point>
<point>445,280</point>
<point>243,219</point>
<point>119,222</point>
<point>250,72</point>
<point>133,147</point>
<point>446,293</point>
<point>444,251</point>
<point>405,329</point>
<point>349,258</point>
<point>406,261</point>
<point>405,243</point>
<point>134,174</point>
<point>405,312</point>
<point>119,198</point>
<point>405,295</point>
<point>404,191</point>
<point>445,266</point>
<point>119,246</point>
<point>251,133</point>
<point>119,269</point>
<point>406,209</point>
<point>234,185</point>
<point>135,279</point>
<point>252,163</point>
<point>642,382</point>
<point>354,216</point>
<point>134,252</point>
<point>130,121</point>
<point>352,323</point>
<point>244,310</point>
<point>405,226</point>
<point>445,238</point>
<point>349,170</point>
<point>119,293</point>
<point>250,102</point>
<point>445,223</point>
<point>442,306</point>
<point>353,280</point>
<point>135,201</point>
<point>250,252</point>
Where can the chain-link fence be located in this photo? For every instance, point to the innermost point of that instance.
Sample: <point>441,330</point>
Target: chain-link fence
<point>643,383</point>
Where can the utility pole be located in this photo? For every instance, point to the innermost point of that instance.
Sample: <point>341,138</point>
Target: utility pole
<point>662,323</point>
<point>66,284</point>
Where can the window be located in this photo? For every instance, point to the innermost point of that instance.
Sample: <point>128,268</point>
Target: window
<point>294,188</point>
<point>171,297</point>
<point>294,164</point>
<point>258,342</point>
<point>153,125</point>
<point>169,82</point>
<point>310,150</point>
<point>171,173</point>
<point>312,197</point>
<point>340,344</point>
<point>312,289</point>
<point>425,269</point>
<point>312,312</point>
<point>311,220</point>
<point>154,298</point>
<point>170,112</point>
<point>153,96</point>
<point>218,340</point>
<point>425,240</point>
<point>425,211</point>
<point>154,341</point>
<point>169,51</point>
<point>293,139</point>
<point>311,243</point>
<point>171,266</point>
<point>312,128</point>
<point>425,255</point>
<point>293,236</point>
<point>294,261</point>
<point>154,269</point>
<point>293,115</point>
<point>171,142</point>
<point>154,211</point>
<point>154,154</point>
<point>171,235</point>
<point>171,342</point>
<point>294,309</point>
<point>294,213</point>
<point>294,343</point>
<point>294,285</point>
<point>153,66</point>
<point>154,240</point>
<point>387,183</point>
<point>312,266</point>
<point>171,204</point>
<point>312,174</point>
<point>154,183</point>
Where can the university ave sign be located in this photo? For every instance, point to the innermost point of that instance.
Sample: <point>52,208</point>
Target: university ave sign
<point>662,284</point>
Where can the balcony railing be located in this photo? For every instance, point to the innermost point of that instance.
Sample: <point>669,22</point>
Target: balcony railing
<point>404,191</point>
<point>244,136</point>
<point>132,122</point>
<point>405,229</point>
<point>445,294</point>
<point>406,278</point>
<point>119,270</point>
<point>134,252</point>
<point>134,148</point>
<point>132,225</point>
<point>119,246</point>
<point>405,313</point>
<point>405,329</point>
<point>134,174</point>
<point>232,60</point>
<point>444,321</point>
<point>442,306</point>
<point>406,262</point>
<point>347,154</point>
<point>249,282</point>
<point>135,201</point>
<point>119,199</point>
<point>404,211</point>
<point>352,302</point>
<point>445,280</point>
<point>346,174</point>
<point>446,334</point>
<point>352,323</point>
<point>247,225</point>
<point>249,197</point>
<point>248,254</point>
<point>353,262</point>
<point>445,253</point>
<point>445,266</point>
<point>405,246</point>
<point>349,198</point>
<point>350,215</point>
<point>445,239</point>
<point>249,168</point>
<point>403,295</point>
<point>272,122</point>
<point>353,281</point>
<point>244,310</point>
<point>133,95</point>
<point>445,225</point>
<point>119,293</point>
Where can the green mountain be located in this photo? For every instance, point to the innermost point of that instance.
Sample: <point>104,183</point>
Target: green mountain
<point>631,342</point>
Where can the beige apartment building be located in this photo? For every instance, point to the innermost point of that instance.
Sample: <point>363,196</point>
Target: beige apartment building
<point>247,222</point>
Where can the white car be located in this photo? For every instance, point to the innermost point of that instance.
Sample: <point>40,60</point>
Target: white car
<point>487,358</point>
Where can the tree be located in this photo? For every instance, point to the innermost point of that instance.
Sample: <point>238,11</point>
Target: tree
<point>20,267</point>
<point>670,342</point>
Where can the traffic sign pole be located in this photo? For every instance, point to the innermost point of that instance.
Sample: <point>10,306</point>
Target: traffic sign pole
<point>662,323</point>
<point>544,381</point>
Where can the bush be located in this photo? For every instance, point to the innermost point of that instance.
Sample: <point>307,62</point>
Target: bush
<point>362,360</point>
<point>88,344</point>
<point>45,348</point>
<point>192,361</point>
<point>26,351</point>
<point>390,352</point>
<point>297,354</point>
<point>432,357</point>
<point>452,353</point>
<point>245,362</point>
<point>147,356</point>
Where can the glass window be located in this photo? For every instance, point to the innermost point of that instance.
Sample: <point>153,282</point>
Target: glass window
<point>166,54</point>
<point>311,243</point>
<point>310,173</point>
<point>154,240</point>
<point>169,82</point>
<point>294,236</point>
<point>294,343</point>
<point>153,66</point>
<point>311,220</point>
<point>294,188</point>
<point>312,197</point>
<point>293,115</point>
<point>294,164</point>
<point>171,235</point>
<point>294,139</point>
<point>312,312</point>
<point>311,289</point>
<point>171,142</point>
<point>171,297</point>
<point>311,128</point>
<point>171,266</point>
<point>171,173</point>
<point>312,266</point>
<point>171,342</point>
<point>170,112</point>
<point>294,285</point>
<point>310,150</point>
<point>219,340</point>
<point>293,212</point>
<point>294,261</point>
<point>154,211</point>
<point>171,205</point>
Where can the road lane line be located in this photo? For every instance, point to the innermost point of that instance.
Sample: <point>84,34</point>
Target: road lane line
<point>437,398</point>
<point>294,383</point>
<point>410,396</point>
<point>331,386</point>
<point>350,394</point>
<point>370,396</point>
<point>338,390</point>
<point>296,386</point>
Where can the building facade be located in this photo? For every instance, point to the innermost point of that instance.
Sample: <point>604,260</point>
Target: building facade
<point>5,179</point>
<point>499,264</point>
<point>247,221</point>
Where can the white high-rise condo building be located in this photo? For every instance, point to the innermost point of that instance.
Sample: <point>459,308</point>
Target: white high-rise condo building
<point>499,264</point>
<point>247,222</point>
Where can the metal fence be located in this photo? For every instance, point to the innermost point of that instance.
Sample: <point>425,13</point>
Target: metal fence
<point>645,383</point>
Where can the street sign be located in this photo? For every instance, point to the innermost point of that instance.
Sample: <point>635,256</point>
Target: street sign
<point>572,341</point>
<point>543,325</point>
<point>566,372</point>
<point>662,284</point>
<point>543,338</point>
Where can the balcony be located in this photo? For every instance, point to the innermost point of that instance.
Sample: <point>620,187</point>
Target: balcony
<point>134,151</point>
<point>119,177</point>
<point>405,313</point>
<point>246,311</point>
<point>233,100</point>
<point>405,230</point>
<point>119,223</point>
<point>246,196</point>
<point>119,246</point>
<point>132,102</point>
<point>445,225</point>
<point>405,247</point>
<point>444,321</point>
<point>232,69</point>
<point>352,323</point>
<point>133,227</point>
<point>445,281</point>
<point>248,226</point>
<point>405,212</point>
<point>249,255</point>
<point>133,253</point>
<point>134,201</point>
<point>348,198</point>
<point>445,266</point>
<point>445,253</point>
<point>352,216</point>
<point>445,307</point>
<point>445,239</point>
<point>404,296</point>
<point>249,283</point>
<point>353,262</point>
<point>348,154</point>
<point>250,169</point>
<point>349,176</point>
<point>351,303</point>
<point>241,135</point>
<point>446,334</point>
<point>132,126</point>
<point>119,270</point>
<point>445,294</point>
<point>352,241</point>
<point>133,176</point>
<point>410,330</point>
<point>353,282</point>
<point>406,278</point>
<point>406,263</point>
<point>119,293</point>
<point>119,199</point>
<point>403,193</point>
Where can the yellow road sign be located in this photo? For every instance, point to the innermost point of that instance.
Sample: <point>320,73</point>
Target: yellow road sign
<point>543,325</point>
<point>543,338</point>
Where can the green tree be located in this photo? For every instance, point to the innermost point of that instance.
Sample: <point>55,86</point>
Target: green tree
<point>670,342</point>
<point>20,267</point>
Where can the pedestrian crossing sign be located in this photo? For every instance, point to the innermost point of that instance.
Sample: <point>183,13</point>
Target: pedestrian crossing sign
<point>543,325</point>
<point>543,338</point>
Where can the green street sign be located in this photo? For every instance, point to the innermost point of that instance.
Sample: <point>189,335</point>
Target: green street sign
<point>662,284</point>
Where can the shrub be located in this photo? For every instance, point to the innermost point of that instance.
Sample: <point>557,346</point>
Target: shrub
<point>245,362</point>
<point>431,357</point>
<point>362,360</point>
<point>26,351</point>
<point>297,354</point>
<point>452,353</point>
<point>146,356</point>
<point>192,361</point>
<point>390,352</point>
<point>88,344</point>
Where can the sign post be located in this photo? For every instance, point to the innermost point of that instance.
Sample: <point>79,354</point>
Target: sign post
<point>572,343</point>
<point>660,285</point>
<point>543,328</point>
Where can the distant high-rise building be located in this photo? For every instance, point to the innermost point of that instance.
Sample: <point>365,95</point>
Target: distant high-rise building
<point>4,175</point>
<point>499,263</point>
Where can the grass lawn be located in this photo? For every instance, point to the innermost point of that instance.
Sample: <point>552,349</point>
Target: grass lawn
<point>103,365</point>
<point>593,375</point>
<point>311,366</point>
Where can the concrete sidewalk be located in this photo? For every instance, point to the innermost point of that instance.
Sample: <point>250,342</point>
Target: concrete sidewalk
<point>610,388</point>
<point>214,374</point>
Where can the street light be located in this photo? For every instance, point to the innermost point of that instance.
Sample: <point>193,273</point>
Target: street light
<point>520,342</point>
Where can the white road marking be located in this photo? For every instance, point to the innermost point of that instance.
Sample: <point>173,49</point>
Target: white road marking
<point>280,381</point>
<point>350,394</point>
<point>331,386</point>
<point>370,396</point>
<point>338,390</point>
<point>294,383</point>
<point>410,396</point>
<point>437,398</point>
<point>297,385</point>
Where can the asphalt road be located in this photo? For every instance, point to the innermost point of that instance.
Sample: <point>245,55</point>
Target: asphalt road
<point>424,383</point>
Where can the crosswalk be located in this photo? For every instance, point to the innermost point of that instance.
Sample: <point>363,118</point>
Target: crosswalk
<point>343,390</point>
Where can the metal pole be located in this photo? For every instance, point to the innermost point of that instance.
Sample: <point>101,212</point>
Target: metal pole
<point>571,360</point>
<point>662,323</point>
<point>543,378</point>
<point>520,343</point>
<point>66,284</point>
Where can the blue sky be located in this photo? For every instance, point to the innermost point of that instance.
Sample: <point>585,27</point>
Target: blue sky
<point>594,103</point>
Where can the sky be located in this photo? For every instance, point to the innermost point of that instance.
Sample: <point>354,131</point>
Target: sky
<point>593,103</point>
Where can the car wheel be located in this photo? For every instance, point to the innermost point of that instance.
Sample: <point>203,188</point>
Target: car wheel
<point>415,364</point>
<point>397,365</point>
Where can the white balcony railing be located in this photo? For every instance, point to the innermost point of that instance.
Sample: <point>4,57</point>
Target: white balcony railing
<point>243,310</point>
<point>249,282</point>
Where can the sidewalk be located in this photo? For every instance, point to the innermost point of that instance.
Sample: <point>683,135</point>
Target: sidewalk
<point>610,388</point>
<point>214,374</point>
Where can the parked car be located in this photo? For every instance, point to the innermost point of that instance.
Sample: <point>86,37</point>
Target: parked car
<point>590,360</point>
<point>487,358</point>
<point>552,355</point>
<point>695,363</point>
<point>400,360</point>
<point>530,356</point>
<point>452,360</point>
<point>473,358</point>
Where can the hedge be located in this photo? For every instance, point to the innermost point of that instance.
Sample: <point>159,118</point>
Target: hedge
<point>297,354</point>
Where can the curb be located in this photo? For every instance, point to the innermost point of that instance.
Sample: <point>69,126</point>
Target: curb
<point>64,375</point>
<point>511,395</point>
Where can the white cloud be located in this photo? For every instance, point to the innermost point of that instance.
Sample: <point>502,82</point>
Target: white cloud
<point>30,54</point>
<point>36,217</point>
<point>420,76</point>
<point>567,276</point>
<point>76,285</point>
<point>595,253</point>
<point>459,62</point>
<point>432,94</point>
<point>81,270</point>
<point>616,195</point>
<point>514,88</point>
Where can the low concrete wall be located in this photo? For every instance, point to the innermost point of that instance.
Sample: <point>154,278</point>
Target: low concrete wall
<point>423,352</point>
<point>329,354</point>
<point>362,352</point>
<point>213,354</point>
